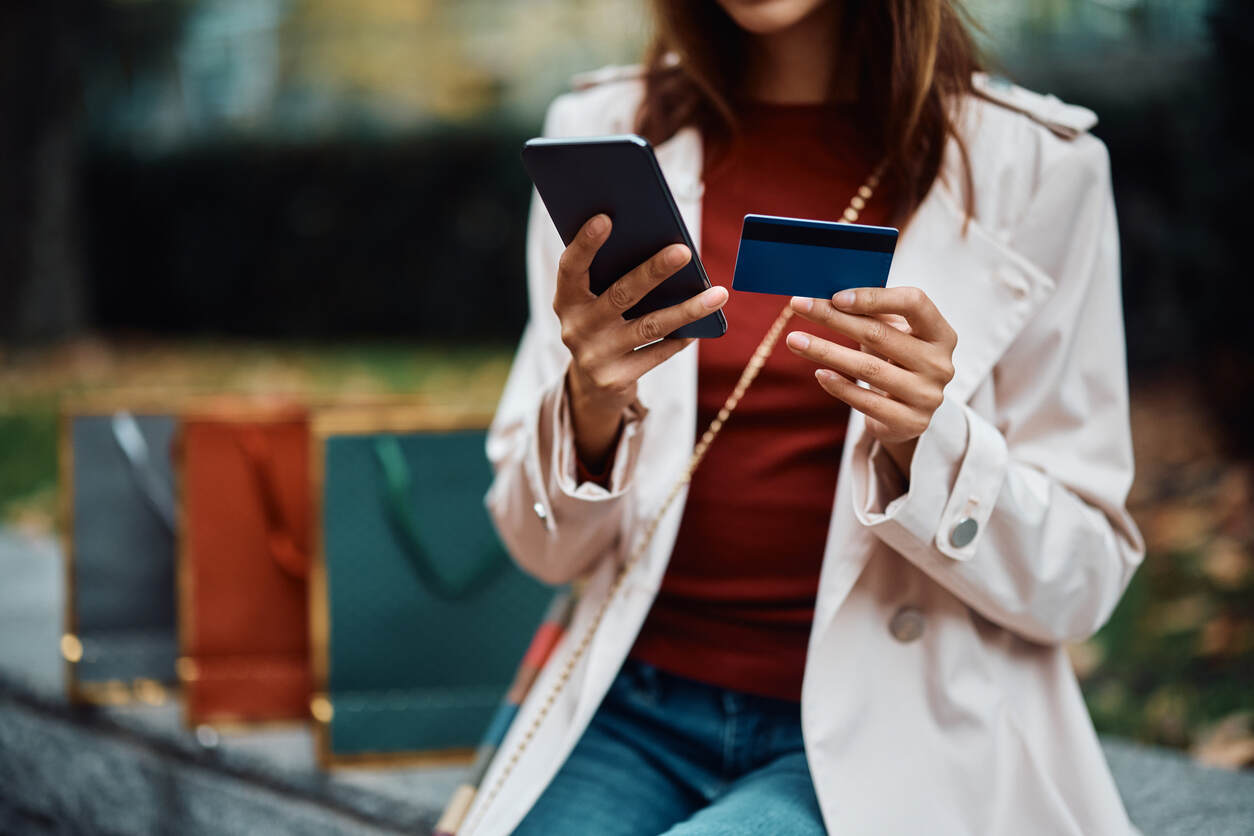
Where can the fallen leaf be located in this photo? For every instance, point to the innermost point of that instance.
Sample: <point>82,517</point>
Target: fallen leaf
<point>32,516</point>
<point>1227,564</point>
<point>1234,495</point>
<point>1178,528</point>
<point>1228,744</point>
<point>1218,636</point>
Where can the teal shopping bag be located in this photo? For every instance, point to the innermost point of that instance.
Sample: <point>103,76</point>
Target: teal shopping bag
<point>419,617</point>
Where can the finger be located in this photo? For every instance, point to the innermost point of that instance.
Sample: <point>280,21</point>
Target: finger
<point>657,324</point>
<point>896,320</point>
<point>898,417</point>
<point>572,267</point>
<point>896,382</point>
<point>911,302</point>
<point>631,288</point>
<point>877,335</point>
<point>644,359</point>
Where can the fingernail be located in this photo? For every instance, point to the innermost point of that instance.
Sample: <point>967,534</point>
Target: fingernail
<point>597,225</point>
<point>844,299</point>
<point>676,256</point>
<point>825,375</point>
<point>802,304</point>
<point>798,340</point>
<point>713,297</point>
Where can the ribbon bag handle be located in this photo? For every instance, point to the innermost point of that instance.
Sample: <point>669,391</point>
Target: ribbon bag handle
<point>280,539</point>
<point>157,492</point>
<point>398,486</point>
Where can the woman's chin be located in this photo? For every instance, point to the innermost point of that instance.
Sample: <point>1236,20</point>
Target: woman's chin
<point>765,17</point>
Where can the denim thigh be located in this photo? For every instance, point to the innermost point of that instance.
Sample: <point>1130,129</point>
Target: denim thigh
<point>666,754</point>
<point>777,798</point>
<point>611,784</point>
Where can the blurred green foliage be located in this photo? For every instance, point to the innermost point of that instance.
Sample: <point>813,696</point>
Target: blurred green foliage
<point>28,452</point>
<point>1163,681</point>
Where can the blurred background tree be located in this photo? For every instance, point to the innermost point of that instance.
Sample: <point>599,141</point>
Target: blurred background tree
<point>326,195</point>
<point>292,168</point>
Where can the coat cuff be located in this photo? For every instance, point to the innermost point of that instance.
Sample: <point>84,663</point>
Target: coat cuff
<point>956,474</point>
<point>565,467</point>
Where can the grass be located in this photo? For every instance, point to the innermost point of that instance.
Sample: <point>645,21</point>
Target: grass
<point>28,450</point>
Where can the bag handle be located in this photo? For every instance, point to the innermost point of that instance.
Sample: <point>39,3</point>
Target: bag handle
<point>280,538</point>
<point>398,495</point>
<point>156,490</point>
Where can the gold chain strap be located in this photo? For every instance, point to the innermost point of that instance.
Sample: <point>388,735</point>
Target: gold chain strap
<point>755,364</point>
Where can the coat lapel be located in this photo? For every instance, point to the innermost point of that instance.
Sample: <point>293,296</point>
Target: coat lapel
<point>988,293</point>
<point>986,290</point>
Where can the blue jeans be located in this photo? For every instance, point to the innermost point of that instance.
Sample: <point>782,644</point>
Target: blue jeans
<point>669,755</point>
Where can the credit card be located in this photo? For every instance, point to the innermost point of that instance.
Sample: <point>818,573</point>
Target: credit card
<point>796,257</point>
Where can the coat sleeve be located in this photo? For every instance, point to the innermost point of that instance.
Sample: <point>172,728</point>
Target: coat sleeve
<point>1022,515</point>
<point>553,527</point>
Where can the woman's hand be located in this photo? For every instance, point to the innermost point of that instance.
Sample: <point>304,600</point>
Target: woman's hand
<point>907,364</point>
<point>606,358</point>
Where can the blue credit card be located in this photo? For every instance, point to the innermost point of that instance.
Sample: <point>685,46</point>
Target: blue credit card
<point>796,257</point>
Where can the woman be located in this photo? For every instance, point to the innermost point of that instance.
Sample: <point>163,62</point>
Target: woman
<point>854,616</point>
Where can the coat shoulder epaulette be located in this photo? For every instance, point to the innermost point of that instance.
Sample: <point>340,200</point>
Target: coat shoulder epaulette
<point>606,75</point>
<point>1066,120</point>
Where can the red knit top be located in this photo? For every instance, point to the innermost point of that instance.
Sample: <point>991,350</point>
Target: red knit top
<point>737,600</point>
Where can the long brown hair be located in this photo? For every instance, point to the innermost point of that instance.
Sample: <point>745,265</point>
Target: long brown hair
<point>914,61</point>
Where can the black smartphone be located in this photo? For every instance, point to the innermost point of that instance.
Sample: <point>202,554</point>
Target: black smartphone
<point>618,175</point>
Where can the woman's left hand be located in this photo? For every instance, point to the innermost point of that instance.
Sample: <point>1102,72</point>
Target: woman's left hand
<point>907,365</point>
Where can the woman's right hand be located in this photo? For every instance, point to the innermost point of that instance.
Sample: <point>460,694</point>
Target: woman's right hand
<point>606,354</point>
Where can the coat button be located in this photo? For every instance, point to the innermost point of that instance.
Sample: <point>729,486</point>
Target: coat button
<point>963,532</point>
<point>539,509</point>
<point>907,624</point>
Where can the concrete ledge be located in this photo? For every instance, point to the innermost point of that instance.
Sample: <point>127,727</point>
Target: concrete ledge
<point>61,776</point>
<point>1166,792</point>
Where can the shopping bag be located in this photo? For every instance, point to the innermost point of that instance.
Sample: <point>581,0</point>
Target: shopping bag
<point>118,528</point>
<point>419,617</point>
<point>244,562</point>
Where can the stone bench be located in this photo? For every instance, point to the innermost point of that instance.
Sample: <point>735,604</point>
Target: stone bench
<point>136,769</point>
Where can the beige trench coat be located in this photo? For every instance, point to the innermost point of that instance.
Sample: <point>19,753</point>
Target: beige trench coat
<point>937,696</point>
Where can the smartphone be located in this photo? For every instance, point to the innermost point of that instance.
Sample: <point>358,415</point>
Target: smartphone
<point>619,175</point>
